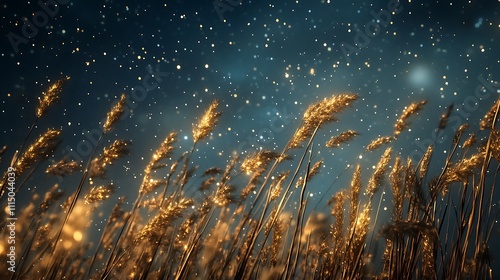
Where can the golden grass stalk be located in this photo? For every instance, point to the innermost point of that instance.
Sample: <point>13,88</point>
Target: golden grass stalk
<point>117,149</point>
<point>462,170</point>
<point>291,263</point>
<point>495,144</point>
<point>424,165</point>
<point>313,172</point>
<point>40,149</point>
<point>469,142</point>
<point>163,152</point>
<point>340,139</point>
<point>63,168</point>
<point>397,186</point>
<point>207,122</point>
<point>354,192</point>
<point>99,193</point>
<point>356,247</point>
<point>377,178</point>
<point>185,230</point>
<point>458,134</point>
<point>319,113</point>
<point>488,121</point>
<point>155,228</point>
<point>258,162</point>
<point>277,242</point>
<point>377,143</point>
<point>224,195</point>
<point>277,185</point>
<point>49,97</point>
<point>428,257</point>
<point>410,178</point>
<point>226,176</point>
<point>402,123</point>
<point>114,114</point>
<point>337,203</point>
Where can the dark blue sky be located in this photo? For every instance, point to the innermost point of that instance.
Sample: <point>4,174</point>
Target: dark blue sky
<point>265,61</point>
<point>266,58</point>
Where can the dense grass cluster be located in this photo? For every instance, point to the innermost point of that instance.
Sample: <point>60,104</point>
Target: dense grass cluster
<point>221,228</point>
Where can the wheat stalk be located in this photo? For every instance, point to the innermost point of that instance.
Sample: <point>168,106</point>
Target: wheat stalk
<point>49,97</point>
<point>402,122</point>
<point>376,180</point>
<point>340,139</point>
<point>114,114</point>
<point>377,143</point>
<point>207,122</point>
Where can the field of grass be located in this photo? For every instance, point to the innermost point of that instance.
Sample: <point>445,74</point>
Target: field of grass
<point>439,226</point>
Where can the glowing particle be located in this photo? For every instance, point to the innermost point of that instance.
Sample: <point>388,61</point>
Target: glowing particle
<point>77,236</point>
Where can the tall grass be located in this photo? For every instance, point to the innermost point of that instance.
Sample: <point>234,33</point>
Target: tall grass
<point>234,226</point>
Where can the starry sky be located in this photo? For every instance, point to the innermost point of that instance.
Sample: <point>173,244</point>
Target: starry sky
<point>265,61</point>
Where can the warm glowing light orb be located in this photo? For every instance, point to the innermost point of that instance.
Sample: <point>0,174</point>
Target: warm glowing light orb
<point>77,236</point>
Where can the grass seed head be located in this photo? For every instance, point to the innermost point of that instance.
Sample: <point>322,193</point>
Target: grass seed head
<point>207,122</point>
<point>115,114</point>
<point>49,97</point>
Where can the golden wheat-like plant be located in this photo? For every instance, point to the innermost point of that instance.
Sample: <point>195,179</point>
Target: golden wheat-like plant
<point>313,172</point>
<point>40,149</point>
<point>277,185</point>
<point>377,143</point>
<point>424,165</point>
<point>340,139</point>
<point>163,152</point>
<point>114,114</point>
<point>320,113</point>
<point>377,178</point>
<point>99,193</point>
<point>63,168</point>
<point>337,203</point>
<point>470,141</point>
<point>49,97</point>
<point>354,192</point>
<point>402,122</point>
<point>488,121</point>
<point>258,162</point>
<point>116,150</point>
<point>397,186</point>
<point>207,122</point>
<point>155,228</point>
<point>461,171</point>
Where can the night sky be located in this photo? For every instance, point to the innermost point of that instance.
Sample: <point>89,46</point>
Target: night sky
<point>265,61</point>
